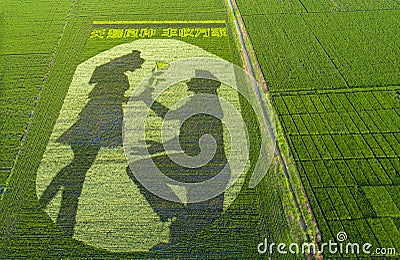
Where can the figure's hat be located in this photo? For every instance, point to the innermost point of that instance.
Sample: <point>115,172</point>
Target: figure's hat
<point>125,59</point>
<point>204,74</point>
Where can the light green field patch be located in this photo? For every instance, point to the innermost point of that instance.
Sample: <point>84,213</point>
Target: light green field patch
<point>381,201</point>
<point>112,213</point>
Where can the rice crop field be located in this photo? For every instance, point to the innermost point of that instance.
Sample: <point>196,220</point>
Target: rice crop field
<point>332,70</point>
<point>70,72</point>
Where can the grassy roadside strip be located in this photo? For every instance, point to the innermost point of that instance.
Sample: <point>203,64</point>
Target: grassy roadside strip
<point>292,183</point>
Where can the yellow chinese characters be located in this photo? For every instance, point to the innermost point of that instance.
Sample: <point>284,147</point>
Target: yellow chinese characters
<point>98,33</point>
<point>119,33</point>
<point>115,33</point>
<point>195,32</point>
<point>219,32</point>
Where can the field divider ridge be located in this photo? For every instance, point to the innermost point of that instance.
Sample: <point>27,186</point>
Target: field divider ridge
<point>251,63</point>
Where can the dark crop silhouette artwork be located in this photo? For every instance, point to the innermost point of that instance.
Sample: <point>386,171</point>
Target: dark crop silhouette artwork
<point>188,220</point>
<point>99,125</point>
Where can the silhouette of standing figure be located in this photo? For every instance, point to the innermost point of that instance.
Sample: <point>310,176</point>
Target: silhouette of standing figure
<point>99,125</point>
<point>188,220</point>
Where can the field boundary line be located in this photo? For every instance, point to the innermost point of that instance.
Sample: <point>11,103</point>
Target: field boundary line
<point>323,12</point>
<point>340,90</point>
<point>251,62</point>
<point>325,51</point>
<point>304,6</point>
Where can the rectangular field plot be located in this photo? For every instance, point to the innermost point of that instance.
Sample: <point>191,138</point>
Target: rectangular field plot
<point>290,56</point>
<point>363,46</point>
<point>350,5</point>
<point>347,146</point>
<point>327,50</point>
<point>260,7</point>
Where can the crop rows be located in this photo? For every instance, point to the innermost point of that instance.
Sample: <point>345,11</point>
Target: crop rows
<point>350,5</point>
<point>150,10</point>
<point>260,7</point>
<point>332,69</point>
<point>363,45</point>
<point>29,232</point>
<point>346,147</point>
<point>289,55</point>
<point>26,48</point>
<point>327,51</point>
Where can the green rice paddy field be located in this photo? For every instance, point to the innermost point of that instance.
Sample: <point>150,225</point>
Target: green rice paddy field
<point>333,73</point>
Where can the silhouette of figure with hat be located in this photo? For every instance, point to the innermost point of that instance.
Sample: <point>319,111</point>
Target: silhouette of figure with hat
<point>188,220</point>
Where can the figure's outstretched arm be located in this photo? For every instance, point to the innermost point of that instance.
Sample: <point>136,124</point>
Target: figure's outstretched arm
<point>157,107</point>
